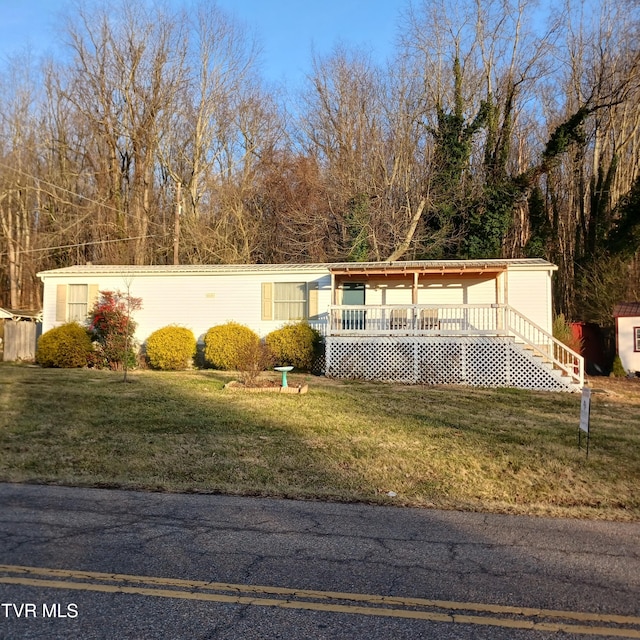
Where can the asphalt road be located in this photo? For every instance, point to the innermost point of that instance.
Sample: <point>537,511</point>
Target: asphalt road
<point>86,563</point>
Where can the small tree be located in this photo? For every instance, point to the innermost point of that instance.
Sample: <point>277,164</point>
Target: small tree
<point>253,358</point>
<point>112,328</point>
<point>618,370</point>
<point>562,331</point>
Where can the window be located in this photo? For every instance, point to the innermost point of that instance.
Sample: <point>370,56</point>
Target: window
<point>73,301</point>
<point>289,300</point>
<point>77,307</point>
<point>636,335</point>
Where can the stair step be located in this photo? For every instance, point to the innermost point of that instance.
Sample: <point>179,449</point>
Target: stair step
<point>541,360</point>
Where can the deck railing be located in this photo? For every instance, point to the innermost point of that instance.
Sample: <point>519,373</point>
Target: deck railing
<point>467,319</point>
<point>545,345</point>
<point>455,320</point>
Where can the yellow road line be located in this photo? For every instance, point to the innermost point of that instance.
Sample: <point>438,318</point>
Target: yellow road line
<point>296,601</point>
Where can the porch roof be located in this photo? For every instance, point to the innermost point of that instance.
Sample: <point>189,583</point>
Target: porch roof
<point>458,267</point>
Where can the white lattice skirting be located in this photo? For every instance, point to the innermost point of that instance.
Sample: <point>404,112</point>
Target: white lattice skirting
<point>486,361</point>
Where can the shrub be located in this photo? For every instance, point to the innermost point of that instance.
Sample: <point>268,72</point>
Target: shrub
<point>225,344</point>
<point>618,371</point>
<point>295,344</point>
<point>254,357</point>
<point>171,348</point>
<point>67,346</point>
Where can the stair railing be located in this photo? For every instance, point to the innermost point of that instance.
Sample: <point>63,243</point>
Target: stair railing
<point>570,363</point>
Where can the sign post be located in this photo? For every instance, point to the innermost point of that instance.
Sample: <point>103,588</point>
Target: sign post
<point>585,414</point>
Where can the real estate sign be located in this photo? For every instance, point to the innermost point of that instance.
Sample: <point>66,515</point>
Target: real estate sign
<point>585,409</point>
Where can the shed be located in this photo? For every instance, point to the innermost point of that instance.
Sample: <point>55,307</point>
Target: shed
<point>627,318</point>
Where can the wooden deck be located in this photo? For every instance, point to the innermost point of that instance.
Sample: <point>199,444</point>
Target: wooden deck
<point>456,321</point>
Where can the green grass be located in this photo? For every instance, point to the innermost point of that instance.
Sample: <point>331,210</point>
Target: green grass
<point>498,450</point>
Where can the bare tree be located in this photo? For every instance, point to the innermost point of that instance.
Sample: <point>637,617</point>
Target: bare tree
<point>124,83</point>
<point>18,181</point>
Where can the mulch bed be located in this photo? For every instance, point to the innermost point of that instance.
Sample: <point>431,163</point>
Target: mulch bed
<point>266,387</point>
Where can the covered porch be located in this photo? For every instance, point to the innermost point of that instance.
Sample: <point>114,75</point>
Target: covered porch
<point>404,320</point>
<point>417,320</point>
<point>387,284</point>
<point>418,298</point>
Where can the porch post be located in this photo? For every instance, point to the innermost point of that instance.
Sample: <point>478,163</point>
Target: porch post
<point>501,299</point>
<point>414,301</point>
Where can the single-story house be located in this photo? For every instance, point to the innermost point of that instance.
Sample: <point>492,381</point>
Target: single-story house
<point>482,322</point>
<point>627,317</point>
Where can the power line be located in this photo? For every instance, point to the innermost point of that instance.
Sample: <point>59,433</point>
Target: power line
<point>77,195</point>
<point>59,188</point>
<point>82,244</point>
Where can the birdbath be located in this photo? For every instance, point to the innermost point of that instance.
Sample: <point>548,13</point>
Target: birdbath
<point>284,371</point>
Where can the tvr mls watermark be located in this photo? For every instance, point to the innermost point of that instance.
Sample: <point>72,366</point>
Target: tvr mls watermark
<point>32,610</point>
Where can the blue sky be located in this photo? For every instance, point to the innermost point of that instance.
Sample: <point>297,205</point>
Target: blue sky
<point>287,29</point>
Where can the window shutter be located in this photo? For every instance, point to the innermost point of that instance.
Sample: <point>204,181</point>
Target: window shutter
<point>61,303</point>
<point>313,299</point>
<point>267,301</point>
<point>94,292</point>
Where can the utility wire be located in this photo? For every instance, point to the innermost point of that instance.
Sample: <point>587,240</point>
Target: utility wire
<point>59,188</point>
<point>77,195</point>
<point>82,244</point>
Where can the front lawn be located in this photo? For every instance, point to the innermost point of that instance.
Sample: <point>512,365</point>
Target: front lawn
<point>481,449</point>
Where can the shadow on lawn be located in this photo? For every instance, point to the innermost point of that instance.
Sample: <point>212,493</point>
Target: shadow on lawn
<point>346,441</point>
<point>159,431</point>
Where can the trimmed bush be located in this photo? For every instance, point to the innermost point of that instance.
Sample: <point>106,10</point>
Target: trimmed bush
<point>618,370</point>
<point>295,345</point>
<point>171,348</point>
<point>226,345</point>
<point>66,347</point>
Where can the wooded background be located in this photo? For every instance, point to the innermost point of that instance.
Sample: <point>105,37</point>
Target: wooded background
<point>501,128</point>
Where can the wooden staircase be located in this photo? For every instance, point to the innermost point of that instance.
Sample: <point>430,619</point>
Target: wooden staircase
<point>566,365</point>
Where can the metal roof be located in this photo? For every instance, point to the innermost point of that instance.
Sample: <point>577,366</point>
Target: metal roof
<point>193,269</point>
<point>626,310</point>
<point>440,266</point>
<point>343,267</point>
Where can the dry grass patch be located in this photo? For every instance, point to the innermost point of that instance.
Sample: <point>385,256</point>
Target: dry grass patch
<point>483,449</point>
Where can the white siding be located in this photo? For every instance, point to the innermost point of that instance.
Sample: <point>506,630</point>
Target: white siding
<point>450,290</point>
<point>197,302</point>
<point>388,291</point>
<point>481,291</point>
<point>626,342</point>
<point>529,292</point>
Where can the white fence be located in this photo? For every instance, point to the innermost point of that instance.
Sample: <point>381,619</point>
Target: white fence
<point>20,340</point>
